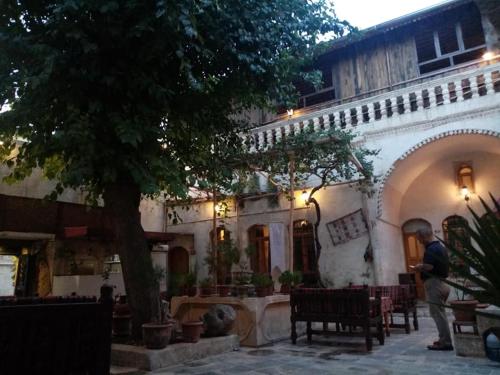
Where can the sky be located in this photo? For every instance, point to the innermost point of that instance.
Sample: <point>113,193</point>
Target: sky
<point>366,13</point>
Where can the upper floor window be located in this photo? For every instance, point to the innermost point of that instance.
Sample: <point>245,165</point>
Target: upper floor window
<point>449,43</point>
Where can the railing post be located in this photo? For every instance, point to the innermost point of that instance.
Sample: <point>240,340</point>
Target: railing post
<point>488,83</point>
<point>459,92</point>
<point>473,87</point>
<point>261,141</point>
<point>406,103</point>
<point>432,97</point>
<point>270,141</point>
<point>296,128</point>
<point>326,121</point>
<point>359,115</point>
<point>371,112</point>
<point>419,99</point>
<point>316,125</point>
<point>383,109</point>
<point>445,89</point>
<point>348,119</point>
<point>278,134</point>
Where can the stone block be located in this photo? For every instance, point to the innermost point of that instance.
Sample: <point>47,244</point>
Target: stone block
<point>468,345</point>
<point>174,354</point>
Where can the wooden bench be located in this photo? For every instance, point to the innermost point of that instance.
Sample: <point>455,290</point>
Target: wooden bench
<point>345,307</point>
<point>55,336</point>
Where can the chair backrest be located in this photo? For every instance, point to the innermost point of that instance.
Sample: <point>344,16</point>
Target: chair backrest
<point>334,303</point>
<point>55,336</point>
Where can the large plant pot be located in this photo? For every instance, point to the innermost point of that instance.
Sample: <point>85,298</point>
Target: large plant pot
<point>207,291</point>
<point>121,325</point>
<point>285,289</point>
<point>263,291</point>
<point>224,290</point>
<point>189,291</point>
<point>156,336</point>
<point>464,311</point>
<point>242,291</point>
<point>191,331</point>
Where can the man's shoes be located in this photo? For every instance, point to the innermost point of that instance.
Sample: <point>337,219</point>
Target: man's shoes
<point>438,346</point>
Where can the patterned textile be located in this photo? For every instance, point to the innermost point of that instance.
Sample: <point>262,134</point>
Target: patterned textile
<point>347,227</point>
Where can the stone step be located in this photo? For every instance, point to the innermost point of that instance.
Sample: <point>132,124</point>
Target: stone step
<point>119,370</point>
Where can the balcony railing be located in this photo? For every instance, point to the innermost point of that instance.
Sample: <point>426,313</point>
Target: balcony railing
<point>447,91</point>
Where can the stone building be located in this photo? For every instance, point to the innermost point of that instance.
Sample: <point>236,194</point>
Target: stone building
<point>422,89</point>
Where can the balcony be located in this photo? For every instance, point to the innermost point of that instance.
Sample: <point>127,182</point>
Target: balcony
<point>473,88</point>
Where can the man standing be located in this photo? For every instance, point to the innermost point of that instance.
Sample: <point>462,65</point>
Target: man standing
<point>434,268</point>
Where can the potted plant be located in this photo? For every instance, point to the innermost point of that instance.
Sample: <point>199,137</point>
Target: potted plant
<point>219,263</point>
<point>207,287</point>
<point>482,260</point>
<point>263,284</point>
<point>157,334</point>
<point>463,308</point>
<point>188,284</point>
<point>191,330</point>
<point>121,317</point>
<point>106,288</point>
<point>289,280</point>
<point>242,285</point>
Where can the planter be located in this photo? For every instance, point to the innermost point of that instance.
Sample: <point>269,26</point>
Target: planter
<point>191,331</point>
<point>189,291</point>
<point>224,290</point>
<point>285,289</point>
<point>263,291</point>
<point>121,325</point>
<point>156,336</point>
<point>242,291</point>
<point>464,311</point>
<point>207,291</point>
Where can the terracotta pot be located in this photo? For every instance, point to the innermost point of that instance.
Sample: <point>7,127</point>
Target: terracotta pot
<point>262,291</point>
<point>189,291</point>
<point>156,336</point>
<point>285,289</point>
<point>464,311</point>
<point>208,291</point>
<point>223,290</point>
<point>191,331</point>
<point>121,325</point>
<point>242,290</point>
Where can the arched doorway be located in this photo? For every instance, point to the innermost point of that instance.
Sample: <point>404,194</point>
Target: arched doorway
<point>178,267</point>
<point>303,247</point>
<point>414,250</point>
<point>258,239</point>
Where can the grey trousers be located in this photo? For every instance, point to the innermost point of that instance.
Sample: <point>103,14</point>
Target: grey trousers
<point>437,293</point>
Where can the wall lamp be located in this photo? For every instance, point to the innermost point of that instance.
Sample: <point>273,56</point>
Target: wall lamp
<point>289,112</point>
<point>465,193</point>
<point>305,197</point>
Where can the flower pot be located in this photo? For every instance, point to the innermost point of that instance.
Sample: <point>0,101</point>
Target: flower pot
<point>121,325</point>
<point>207,291</point>
<point>242,291</point>
<point>285,289</point>
<point>189,291</point>
<point>262,291</point>
<point>191,331</point>
<point>464,311</point>
<point>223,290</point>
<point>155,335</point>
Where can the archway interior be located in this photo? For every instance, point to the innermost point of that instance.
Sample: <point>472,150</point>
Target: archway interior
<point>424,185</point>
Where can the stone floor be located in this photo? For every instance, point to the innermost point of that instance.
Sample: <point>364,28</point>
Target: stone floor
<point>401,354</point>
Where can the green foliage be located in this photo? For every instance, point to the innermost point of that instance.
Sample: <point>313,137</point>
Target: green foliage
<point>188,280</point>
<point>242,279</point>
<point>145,92</point>
<point>206,283</point>
<point>290,278</point>
<point>261,280</point>
<point>481,255</point>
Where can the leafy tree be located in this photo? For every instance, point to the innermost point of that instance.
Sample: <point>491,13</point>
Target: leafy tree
<point>319,159</point>
<point>131,98</point>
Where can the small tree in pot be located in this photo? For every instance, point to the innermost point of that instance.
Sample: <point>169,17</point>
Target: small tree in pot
<point>289,280</point>
<point>156,334</point>
<point>263,284</point>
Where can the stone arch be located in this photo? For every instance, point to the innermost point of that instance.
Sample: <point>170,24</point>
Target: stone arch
<point>389,173</point>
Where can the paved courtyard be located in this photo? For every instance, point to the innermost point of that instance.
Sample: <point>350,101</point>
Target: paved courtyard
<point>401,354</point>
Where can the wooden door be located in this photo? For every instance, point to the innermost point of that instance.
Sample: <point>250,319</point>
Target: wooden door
<point>178,260</point>
<point>414,253</point>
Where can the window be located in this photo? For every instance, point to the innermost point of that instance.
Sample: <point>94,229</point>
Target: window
<point>304,258</point>
<point>465,176</point>
<point>446,44</point>
<point>260,259</point>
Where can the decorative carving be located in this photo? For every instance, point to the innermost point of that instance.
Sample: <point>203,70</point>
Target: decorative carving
<point>219,320</point>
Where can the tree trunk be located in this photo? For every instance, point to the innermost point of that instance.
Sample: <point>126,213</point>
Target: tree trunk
<point>122,200</point>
